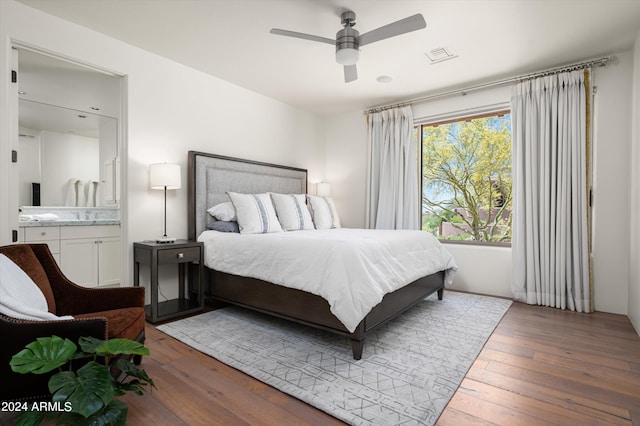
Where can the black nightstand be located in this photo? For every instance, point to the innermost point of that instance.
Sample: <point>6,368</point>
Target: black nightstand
<point>183,253</point>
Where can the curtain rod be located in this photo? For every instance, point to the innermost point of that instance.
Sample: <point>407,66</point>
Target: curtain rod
<point>601,62</point>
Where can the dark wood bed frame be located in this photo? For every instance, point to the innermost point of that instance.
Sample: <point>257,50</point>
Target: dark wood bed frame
<point>296,305</point>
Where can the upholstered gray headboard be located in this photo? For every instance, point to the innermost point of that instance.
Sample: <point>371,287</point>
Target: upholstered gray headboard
<point>211,176</point>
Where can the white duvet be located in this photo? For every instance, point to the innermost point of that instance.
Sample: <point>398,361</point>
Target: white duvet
<point>351,268</point>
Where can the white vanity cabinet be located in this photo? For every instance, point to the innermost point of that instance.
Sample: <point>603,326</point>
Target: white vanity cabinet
<point>49,235</point>
<point>90,255</point>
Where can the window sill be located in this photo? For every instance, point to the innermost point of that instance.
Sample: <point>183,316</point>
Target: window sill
<point>476,243</point>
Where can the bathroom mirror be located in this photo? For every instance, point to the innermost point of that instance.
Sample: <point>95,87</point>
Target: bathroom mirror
<point>65,156</point>
<point>68,133</point>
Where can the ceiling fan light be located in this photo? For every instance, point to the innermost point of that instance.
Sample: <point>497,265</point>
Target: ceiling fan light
<point>347,56</point>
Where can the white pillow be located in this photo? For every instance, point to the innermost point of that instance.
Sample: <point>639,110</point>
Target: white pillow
<point>292,211</point>
<point>20,297</point>
<point>323,210</point>
<point>255,213</point>
<point>223,211</point>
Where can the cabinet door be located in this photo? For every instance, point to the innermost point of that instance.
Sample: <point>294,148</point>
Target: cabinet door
<point>49,235</point>
<point>109,261</point>
<point>79,261</point>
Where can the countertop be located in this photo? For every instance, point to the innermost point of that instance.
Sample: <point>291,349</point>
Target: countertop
<point>73,222</point>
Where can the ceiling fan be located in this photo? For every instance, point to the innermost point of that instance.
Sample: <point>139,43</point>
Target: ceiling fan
<point>348,40</point>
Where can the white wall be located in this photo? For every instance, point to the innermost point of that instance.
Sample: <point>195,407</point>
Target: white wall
<point>66,156</point>
<point>170,109</point>
<point>488,269</point>
<point>346,166</point>
<point>611,183</point>
<point>634,226</point>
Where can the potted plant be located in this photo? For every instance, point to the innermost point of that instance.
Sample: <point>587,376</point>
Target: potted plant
<point>84,395</point>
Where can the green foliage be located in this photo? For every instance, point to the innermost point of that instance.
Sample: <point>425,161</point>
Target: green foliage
<point>466,170</point>
<point>431,223</point>
<point>31,418</point>
<point>86,394</point>
<point>114,413</point>
<point>43,355</point>
<point>139,378</point>
<point>112,347</point>
<point>88,390</point>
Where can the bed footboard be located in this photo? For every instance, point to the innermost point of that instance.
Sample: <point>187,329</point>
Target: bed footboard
<point>314,311</point>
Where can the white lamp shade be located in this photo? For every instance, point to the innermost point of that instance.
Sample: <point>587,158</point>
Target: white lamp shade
<point>163,175</point>
<point>323,189</point>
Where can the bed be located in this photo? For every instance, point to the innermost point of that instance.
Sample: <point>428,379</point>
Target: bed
<point>210,178</point>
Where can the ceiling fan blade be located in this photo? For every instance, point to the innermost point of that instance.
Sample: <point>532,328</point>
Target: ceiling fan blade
<point>302,36</point>
<point>412,23</point>
<point>350,73</point>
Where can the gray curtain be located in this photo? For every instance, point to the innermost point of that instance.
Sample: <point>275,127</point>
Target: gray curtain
<point>393,185</point>
<point>550,234</point>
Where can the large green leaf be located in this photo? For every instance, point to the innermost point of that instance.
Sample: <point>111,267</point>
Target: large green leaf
<point>89,344</point>
<point>121,347</point>
<point>43,355</point>
<point>88,390</point>
<point>114,414</point>
<point>30,418</point>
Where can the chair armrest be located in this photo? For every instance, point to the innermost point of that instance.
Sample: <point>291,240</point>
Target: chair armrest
<point>16,334</point>
<point>75,299</point>
<point>15,331</point>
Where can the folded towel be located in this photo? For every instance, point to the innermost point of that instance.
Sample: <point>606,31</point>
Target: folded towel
<point>92,193</point>
<point>71,199</point>
<point>81,193</point>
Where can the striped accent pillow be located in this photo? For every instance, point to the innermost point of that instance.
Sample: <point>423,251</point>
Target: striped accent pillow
<point>255,213</point>
<point>292,212</point>
<point>324,213</point>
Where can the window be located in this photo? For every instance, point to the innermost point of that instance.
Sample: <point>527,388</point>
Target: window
<point>466,178</point>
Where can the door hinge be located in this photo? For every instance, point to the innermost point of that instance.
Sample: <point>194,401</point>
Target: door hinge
<point>14,236</point>
<point>14,156</point>
<point>14,76</point>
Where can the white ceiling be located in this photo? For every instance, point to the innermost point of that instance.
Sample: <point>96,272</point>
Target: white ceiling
<point>230,39</point>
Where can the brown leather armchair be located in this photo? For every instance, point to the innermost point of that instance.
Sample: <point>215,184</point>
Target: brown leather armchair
<point>102,313</point>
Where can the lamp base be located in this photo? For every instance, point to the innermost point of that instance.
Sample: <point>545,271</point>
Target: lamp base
<point>165,240</point>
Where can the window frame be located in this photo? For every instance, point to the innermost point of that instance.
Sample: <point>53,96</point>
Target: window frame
<point>454,118</point>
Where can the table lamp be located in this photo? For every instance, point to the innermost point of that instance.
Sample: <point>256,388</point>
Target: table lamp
<point>164,176</point>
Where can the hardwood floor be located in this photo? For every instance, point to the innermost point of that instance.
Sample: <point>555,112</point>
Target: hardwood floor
<point>547,366</point>
<point>540,366</point>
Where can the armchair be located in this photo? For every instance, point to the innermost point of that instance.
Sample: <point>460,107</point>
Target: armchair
<point>102,313</point>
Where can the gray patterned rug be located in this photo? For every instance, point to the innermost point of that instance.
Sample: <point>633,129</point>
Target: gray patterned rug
<point>409,370</point>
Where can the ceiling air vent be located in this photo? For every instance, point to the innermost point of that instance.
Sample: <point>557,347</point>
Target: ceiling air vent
<point>439,54</point>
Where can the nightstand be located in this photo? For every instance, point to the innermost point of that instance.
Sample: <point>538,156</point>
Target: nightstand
<point>188,255</point>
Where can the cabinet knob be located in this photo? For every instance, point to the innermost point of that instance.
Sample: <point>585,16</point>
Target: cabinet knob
<point>43,233</point>
<point>180,255</point>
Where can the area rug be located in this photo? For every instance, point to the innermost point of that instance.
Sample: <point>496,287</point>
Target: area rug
<point>409,369</point>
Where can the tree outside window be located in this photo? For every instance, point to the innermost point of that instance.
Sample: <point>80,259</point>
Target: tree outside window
<point>466,178</point>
